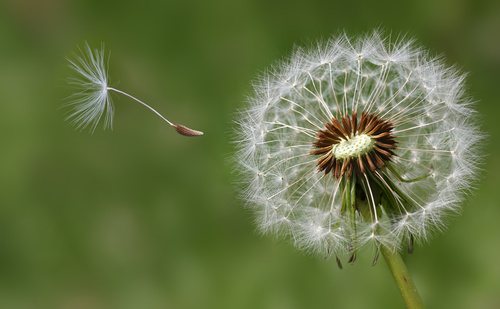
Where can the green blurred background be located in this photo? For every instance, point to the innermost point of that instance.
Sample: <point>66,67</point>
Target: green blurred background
<point>140,217</point>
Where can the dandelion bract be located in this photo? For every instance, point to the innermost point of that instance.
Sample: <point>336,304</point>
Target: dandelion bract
<point>355,142</point>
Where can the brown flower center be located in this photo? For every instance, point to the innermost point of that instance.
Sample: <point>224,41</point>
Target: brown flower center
<point>348,146</point>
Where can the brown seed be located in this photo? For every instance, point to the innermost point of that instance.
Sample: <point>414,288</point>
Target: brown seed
<point>183,130</point>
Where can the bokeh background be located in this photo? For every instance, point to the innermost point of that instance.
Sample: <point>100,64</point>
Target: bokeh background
<point>140,217</point>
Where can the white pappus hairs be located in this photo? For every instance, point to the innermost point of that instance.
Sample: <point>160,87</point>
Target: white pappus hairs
<point>357,141</point>
<point>92,99</point>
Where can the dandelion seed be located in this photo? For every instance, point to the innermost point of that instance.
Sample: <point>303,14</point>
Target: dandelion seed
<point>384,146</point>
<point>93,100</point>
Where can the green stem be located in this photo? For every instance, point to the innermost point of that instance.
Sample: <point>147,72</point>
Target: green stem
<point>392,257</point>
<point>402,277</point>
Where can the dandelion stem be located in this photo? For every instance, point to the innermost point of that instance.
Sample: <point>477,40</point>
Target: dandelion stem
<point>136,99</point>
<point>394,260</point>
<point>402,277</point>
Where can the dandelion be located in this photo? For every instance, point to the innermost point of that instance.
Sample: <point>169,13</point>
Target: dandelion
<point>92,102</point>
<point>357,143</point>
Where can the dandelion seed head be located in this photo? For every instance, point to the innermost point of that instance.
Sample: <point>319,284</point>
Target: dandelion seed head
<point>357,142</point>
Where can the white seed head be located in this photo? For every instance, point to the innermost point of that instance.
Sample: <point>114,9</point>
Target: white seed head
<point>355,142</point>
